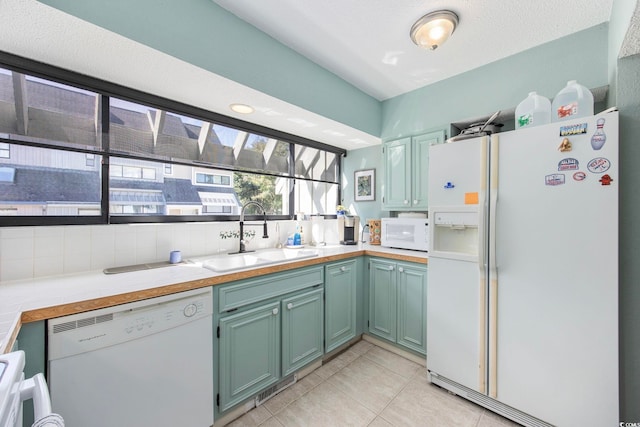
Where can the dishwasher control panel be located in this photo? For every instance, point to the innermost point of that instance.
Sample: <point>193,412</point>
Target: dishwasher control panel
<point>104,327</point>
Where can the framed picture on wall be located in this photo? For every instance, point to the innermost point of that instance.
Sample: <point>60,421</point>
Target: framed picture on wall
<point>365,185</point>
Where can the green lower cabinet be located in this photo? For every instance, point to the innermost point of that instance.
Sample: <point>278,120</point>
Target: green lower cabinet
<point>268,328</point>
<point>31,340</point>
<point>249,353</point>
<point>412,316</point>
<point>397,303</point>
<point>341,281</point>
<point>302,319</point>
<point>382,299</point>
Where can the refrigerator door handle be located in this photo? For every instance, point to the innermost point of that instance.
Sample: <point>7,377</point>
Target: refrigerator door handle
<point>482,265</point>
<point>482,205</point>
<point>493,271</point>
<point>493,203</point>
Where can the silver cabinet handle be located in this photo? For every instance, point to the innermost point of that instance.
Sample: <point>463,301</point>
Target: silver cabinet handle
<point>406,202</point>
<point>290,305</point>
<point>343,268</point>
<point>400,269</point>
<point>415,201</point>
<point>275,311</point>
<point>391,268</point>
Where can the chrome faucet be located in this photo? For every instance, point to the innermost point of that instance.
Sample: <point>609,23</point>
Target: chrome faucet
<point>265,235</point>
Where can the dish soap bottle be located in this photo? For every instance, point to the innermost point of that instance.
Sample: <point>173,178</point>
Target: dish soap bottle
<point>297,241</point>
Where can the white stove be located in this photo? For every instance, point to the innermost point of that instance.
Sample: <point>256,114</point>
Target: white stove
<point>14,389</point>
<point>11,377</point>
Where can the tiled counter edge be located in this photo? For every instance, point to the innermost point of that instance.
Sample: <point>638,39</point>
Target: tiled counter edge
<point>26,301</point>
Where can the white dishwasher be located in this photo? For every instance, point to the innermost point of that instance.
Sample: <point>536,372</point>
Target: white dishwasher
<point>142,364</point>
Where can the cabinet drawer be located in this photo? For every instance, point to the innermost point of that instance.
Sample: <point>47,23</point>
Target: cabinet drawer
<point>254,290</point>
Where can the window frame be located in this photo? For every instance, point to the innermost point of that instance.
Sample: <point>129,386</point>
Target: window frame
<point>106,90</point>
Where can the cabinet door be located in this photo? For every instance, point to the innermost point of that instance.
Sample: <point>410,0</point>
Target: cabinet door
<point>340,303</point>
<point>397,176</point>
<point>412,299</point>
<point>249,353</point>
<point>382,299</point>
<point>31,340</point>
<point>302,327</point>
<point>420,167</point>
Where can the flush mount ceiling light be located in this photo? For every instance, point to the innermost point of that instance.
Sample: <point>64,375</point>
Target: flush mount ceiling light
<point>434,28</point>
<point>242,108</point>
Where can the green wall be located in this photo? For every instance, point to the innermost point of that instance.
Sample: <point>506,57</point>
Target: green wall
<point>500,85</point>
<point>621,13</point>
<point>628,100</point>
<point>204,34</point>
<point>364,158</point>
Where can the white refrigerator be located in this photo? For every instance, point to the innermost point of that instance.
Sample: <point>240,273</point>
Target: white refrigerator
<point>522,295</point>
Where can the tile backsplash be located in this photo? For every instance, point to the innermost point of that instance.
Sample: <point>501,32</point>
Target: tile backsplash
<point>31,252</point>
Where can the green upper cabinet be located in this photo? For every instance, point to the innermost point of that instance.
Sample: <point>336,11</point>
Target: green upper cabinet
<point>396,158</point>
<point>406,163</point>
<point>340,286</point>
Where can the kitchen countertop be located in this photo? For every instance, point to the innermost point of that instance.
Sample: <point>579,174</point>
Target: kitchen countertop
<point>24,301</point>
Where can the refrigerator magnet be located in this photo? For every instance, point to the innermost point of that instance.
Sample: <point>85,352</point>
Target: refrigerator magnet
<point>599,138</point>
<point>565,145</point>
<point>598,165</point>
<point>568,164</point>
<point>471,198</point>
<point>579,176</point>
<point>606,179</point>
<point>554,179</point>
<point>577,129</point>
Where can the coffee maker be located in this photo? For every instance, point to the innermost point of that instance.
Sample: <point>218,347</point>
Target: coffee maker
<point>348,229</point>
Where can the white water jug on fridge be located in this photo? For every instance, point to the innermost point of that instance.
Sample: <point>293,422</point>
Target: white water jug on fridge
<point>572,102</point>
<point>534,110</point>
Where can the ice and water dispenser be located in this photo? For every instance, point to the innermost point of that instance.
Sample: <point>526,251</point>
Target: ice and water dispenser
<point>454,234</point>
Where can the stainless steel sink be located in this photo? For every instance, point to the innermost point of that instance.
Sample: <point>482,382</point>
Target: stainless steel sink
<point>231,262</point>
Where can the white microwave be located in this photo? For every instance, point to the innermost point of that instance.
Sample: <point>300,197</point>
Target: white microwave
<point>405,233</point>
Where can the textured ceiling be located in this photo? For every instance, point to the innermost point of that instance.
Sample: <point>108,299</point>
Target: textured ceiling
<point>366,42</point>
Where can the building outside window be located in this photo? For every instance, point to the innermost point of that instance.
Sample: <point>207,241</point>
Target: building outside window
<point>241,165</point>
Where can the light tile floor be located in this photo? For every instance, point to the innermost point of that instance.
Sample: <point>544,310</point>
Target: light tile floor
<point>368,386</point>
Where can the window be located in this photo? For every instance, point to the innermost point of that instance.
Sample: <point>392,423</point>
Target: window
<point>7,175</point>
<point>211,179</point>
<point>5,150</point>
<point>51,183</point>
<point>43,111</point>
<point>217,210</point>
<point>133,172</point>
<point>163,159</point>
